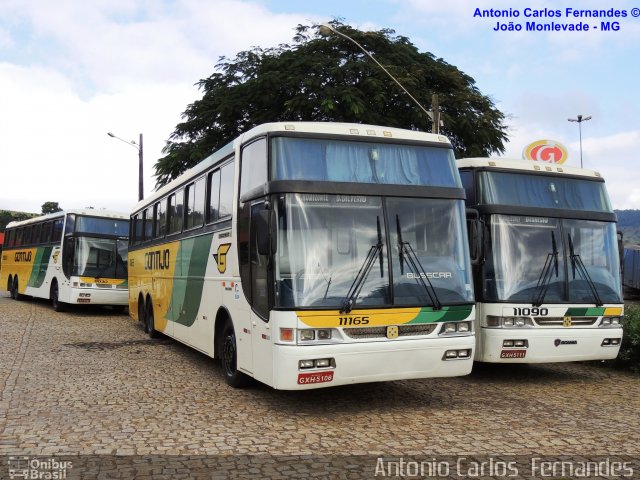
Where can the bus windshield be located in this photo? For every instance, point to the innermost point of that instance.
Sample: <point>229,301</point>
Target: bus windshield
<point>544,191</point>
<point>100,258</point>
<point>541,258</point>
<point>327,243</point>
<point>365,162</point>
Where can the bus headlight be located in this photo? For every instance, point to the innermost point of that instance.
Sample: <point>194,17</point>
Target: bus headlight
<point>449,328</point>
<point>306,335</point>
<point>508,322</point>
<point>453,328</point>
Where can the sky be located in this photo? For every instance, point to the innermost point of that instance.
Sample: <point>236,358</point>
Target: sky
<point>73,70</point>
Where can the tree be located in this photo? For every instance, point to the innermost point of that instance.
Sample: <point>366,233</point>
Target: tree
<point>50,207</point>
<point>329,79</point>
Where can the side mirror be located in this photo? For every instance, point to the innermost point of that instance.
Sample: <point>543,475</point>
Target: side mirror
<point>475,227</point>
<point>265,237</point>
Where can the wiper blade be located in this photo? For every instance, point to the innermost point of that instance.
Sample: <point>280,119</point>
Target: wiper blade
<point>578,264</point>
<point>550,264</point>
<point>408,255</point>
<point>365,268</point>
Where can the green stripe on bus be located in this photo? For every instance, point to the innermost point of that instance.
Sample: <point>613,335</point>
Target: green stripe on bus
<point>40,265</point>
<point>584,312</point>
<point>446,314</point>
<point>191,265</point>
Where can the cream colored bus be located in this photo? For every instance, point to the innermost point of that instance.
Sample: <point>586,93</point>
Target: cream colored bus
<point>308,255</point>
<point>76,257</point>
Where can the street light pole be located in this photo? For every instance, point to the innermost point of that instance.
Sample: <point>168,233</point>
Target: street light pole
<point>580,119</point>
<point>137,146</point>
<point>326,29</point>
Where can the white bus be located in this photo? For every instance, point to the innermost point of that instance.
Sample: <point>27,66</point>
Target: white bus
<point>548,283</point>
<point>70,257</point>
<point>311,254</point>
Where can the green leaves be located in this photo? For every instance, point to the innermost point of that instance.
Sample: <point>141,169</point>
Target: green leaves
<point>330,79</point>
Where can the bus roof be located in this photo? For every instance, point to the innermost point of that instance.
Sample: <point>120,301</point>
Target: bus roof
<point>328,128</point>
<point>88,211</point>
<point>525,165</point>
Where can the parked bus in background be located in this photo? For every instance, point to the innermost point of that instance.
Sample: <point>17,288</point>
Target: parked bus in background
<point>548,286</point>
<point>311,254</point>
<point>71,257</point>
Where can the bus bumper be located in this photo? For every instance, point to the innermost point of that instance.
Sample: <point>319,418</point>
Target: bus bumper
<point>548,345</point>
<point>98,296</point>
<point>369,362</point>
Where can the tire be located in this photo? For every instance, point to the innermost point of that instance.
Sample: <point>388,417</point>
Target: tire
<point>10,288</point>
<point>149,324</point>
<point>15,290</point>
<point>57,305</point>
<point>141,313</point>
<point>229,358</point>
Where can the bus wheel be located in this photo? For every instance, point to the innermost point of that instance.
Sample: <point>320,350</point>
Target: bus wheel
<point>14,291</point>
<point>57,305</point>
<point>149,324</point>
<point>141,315</point>
<point>229,358</point>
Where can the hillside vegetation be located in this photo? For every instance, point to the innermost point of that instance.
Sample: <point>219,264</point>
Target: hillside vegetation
<point>7,216</point>
<point>629,224</point>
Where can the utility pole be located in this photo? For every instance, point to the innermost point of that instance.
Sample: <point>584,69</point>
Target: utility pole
<point>435,114</point>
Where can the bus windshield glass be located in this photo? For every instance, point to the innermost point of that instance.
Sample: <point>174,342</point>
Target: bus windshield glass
<point>100,258</point>
<point>102,226</point>
<point>328,243</point>
<point>544,191</point>
<point>531,259</point>
<point>362,162</point>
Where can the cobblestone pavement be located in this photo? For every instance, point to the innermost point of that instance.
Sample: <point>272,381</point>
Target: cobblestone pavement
<point>90,382</point>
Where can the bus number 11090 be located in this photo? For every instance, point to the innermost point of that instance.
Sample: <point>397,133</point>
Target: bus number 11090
<point>530,312</point>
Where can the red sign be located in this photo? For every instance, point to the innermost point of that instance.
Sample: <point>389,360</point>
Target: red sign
<point>513,354</point>
<point>314,377</point>
<point>548,151</point>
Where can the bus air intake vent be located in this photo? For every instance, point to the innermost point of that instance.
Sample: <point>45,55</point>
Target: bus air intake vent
<point>559,321</point>
<point>381,332</point>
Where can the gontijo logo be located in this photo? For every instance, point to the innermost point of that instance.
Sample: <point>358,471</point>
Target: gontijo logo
<point>545,151</point>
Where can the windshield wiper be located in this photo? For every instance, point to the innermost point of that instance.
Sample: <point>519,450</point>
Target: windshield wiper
<point>407,254</point>
<point>550,264</point>
<point>358,282</point>
<point>577,263</point>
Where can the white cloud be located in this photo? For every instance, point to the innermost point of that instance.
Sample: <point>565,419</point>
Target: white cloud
<point>87,68</point>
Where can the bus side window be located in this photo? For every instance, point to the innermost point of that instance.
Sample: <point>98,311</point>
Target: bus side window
<point>161,218</point>
<point>194,204</point>
<point>36,233</point>
<point>19,232</point>
<point>57,230</point>
<point>226,191</point>
<point>147,230</point>
<point>175,212</point>
<point>253,166</point>
<point>45,236</point>
<point>213,187</point>
<point>467,182</point>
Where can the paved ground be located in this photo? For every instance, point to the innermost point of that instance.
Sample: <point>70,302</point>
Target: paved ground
<point>90,382</point>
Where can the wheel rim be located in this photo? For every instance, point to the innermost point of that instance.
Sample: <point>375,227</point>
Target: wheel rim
<point>229,354</point>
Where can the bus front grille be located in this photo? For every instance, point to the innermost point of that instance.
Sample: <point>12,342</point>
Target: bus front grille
<point>559,321</point>
<point>381,332</point>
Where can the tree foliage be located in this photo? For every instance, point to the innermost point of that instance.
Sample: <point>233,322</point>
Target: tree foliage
<point>50,207</point>
<point>330,79</point>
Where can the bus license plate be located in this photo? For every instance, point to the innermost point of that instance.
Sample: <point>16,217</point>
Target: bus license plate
<point>513,354</point>
<point>314,377</point>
